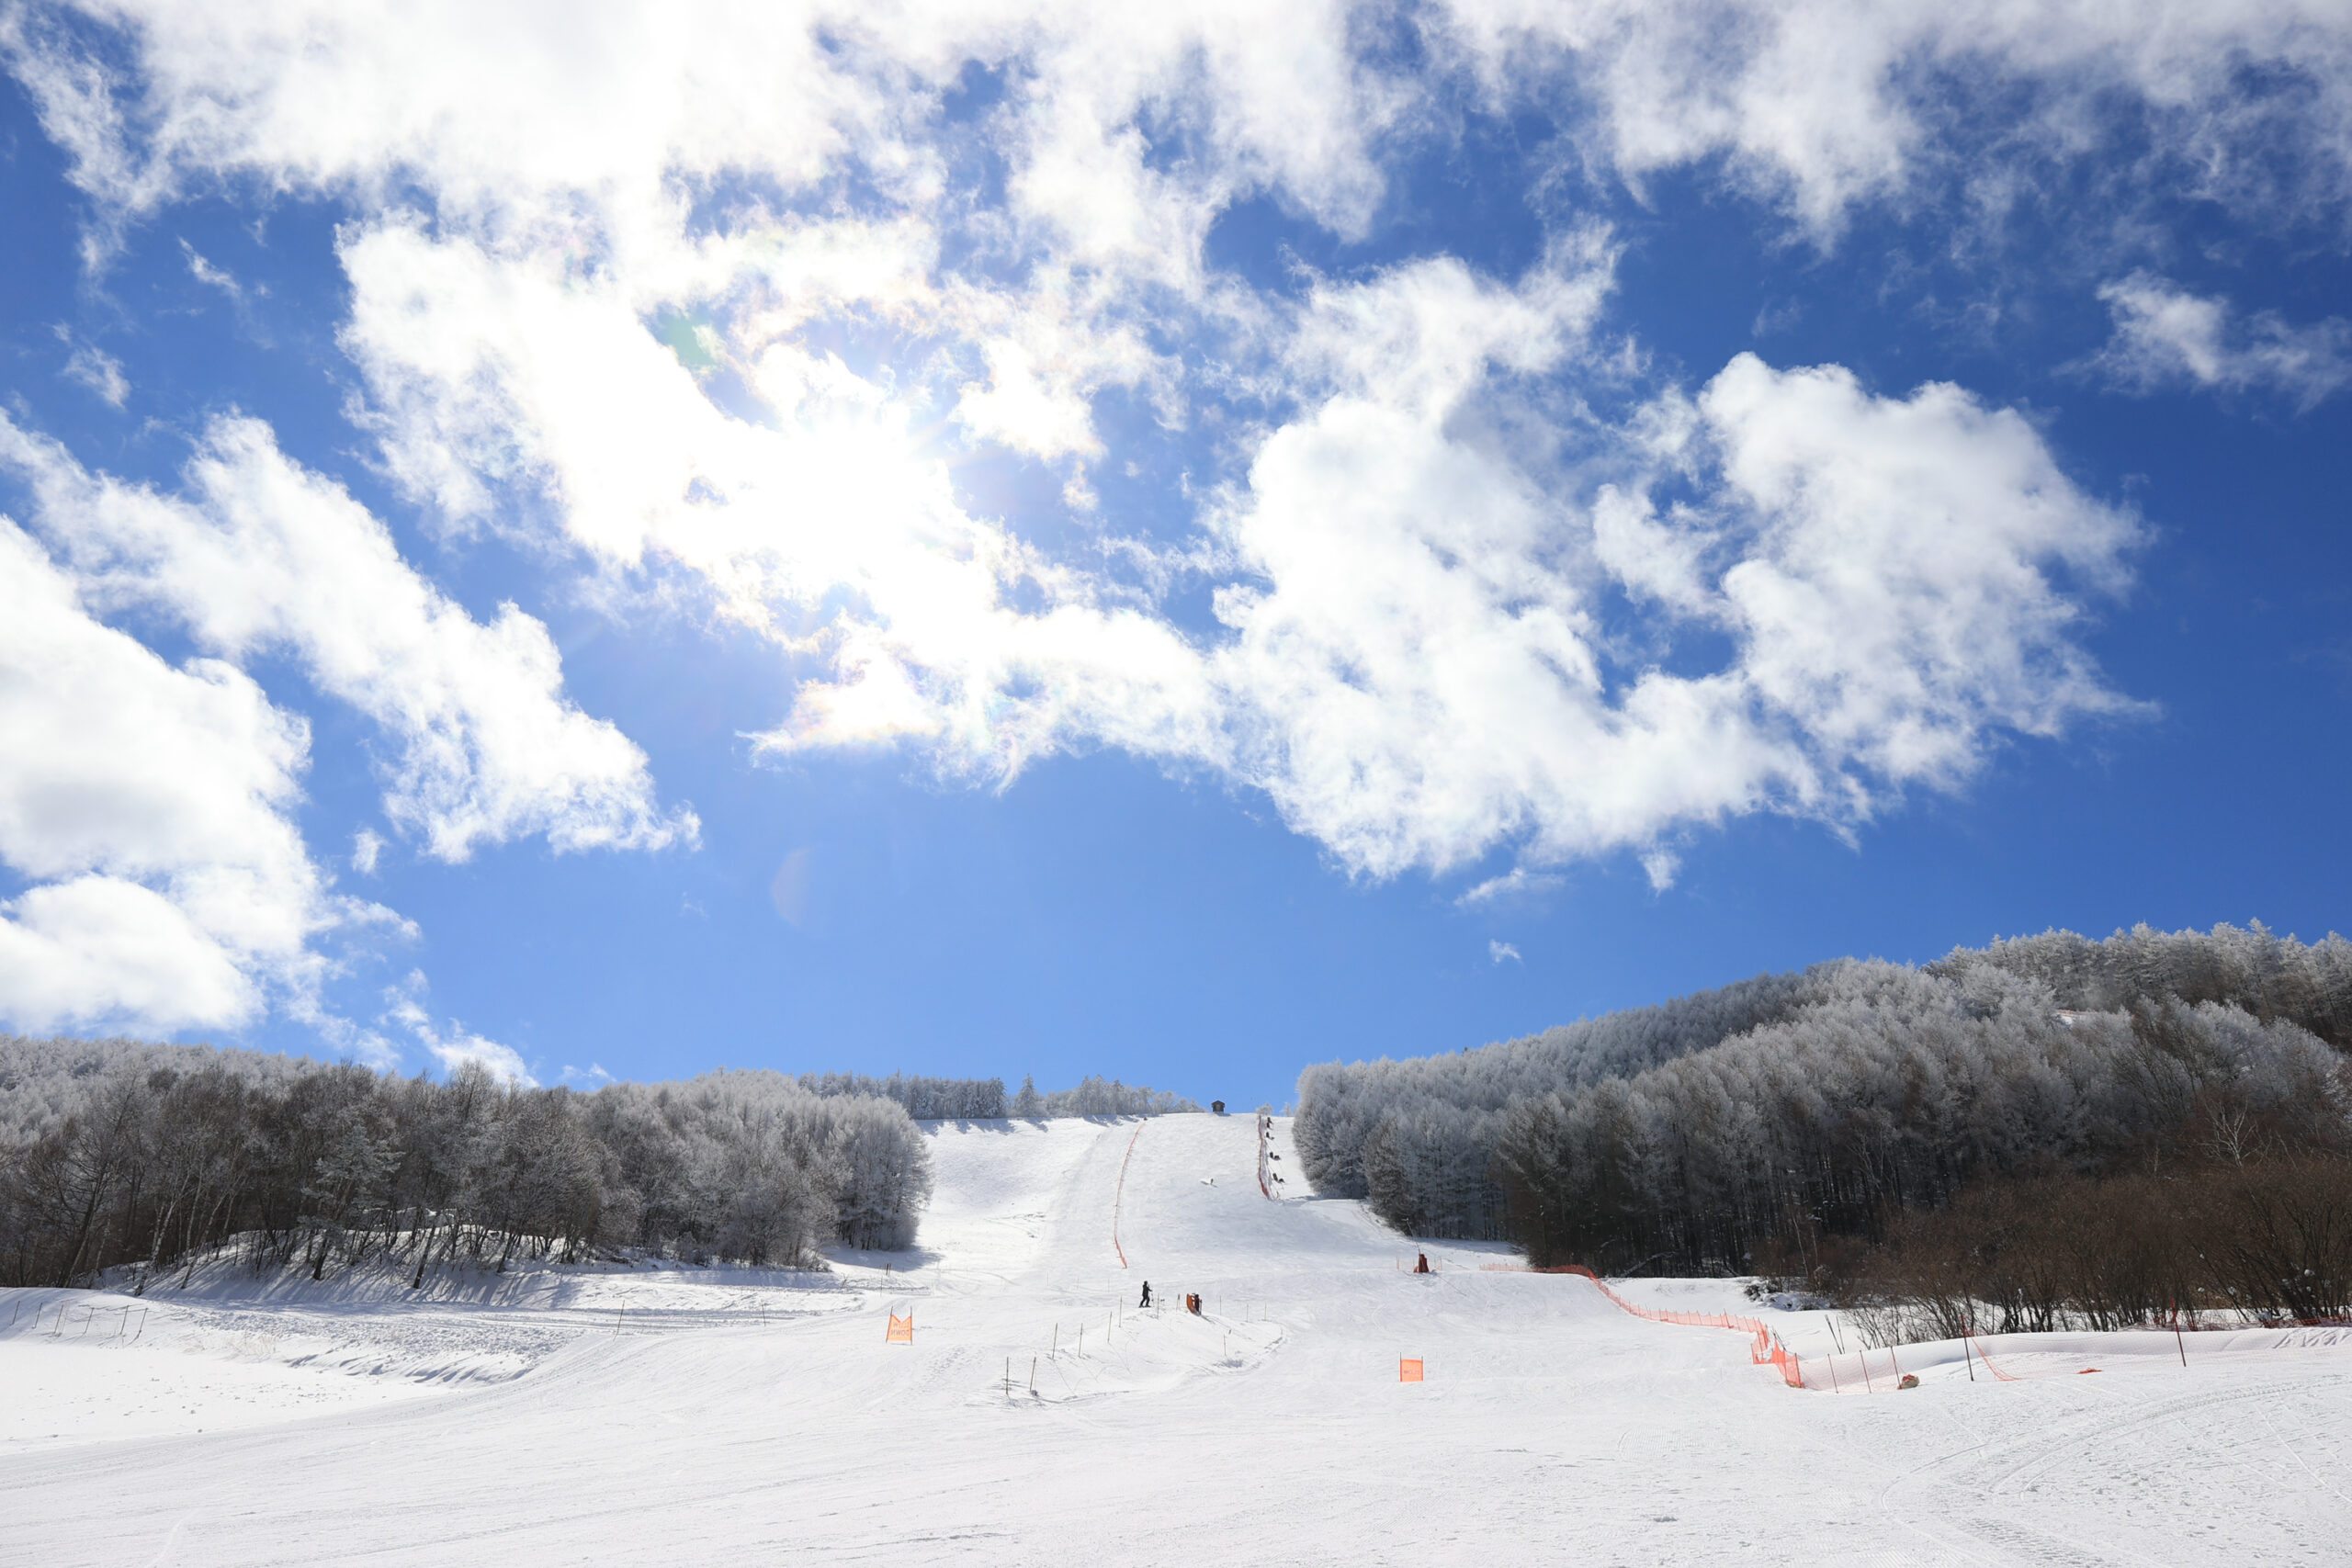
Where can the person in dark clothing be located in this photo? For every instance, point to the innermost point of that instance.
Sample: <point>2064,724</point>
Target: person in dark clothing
<point>1147,1292</point>
<point>1423,1266</point>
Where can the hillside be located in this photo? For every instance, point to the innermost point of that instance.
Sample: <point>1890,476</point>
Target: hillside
<point>740,1416</point>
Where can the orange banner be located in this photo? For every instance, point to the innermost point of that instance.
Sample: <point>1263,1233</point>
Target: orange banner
<point>901,1331</point>
<point>1409,1368</point>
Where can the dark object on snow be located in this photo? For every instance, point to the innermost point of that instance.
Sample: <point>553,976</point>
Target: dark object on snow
<point>1423,1266</point>
<point>1217,1105</point>
<point>1147,1292</point>
<point>1192,1304</point>
<point>1908,1381</point>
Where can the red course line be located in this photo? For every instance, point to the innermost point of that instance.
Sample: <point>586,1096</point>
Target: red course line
<point>1120,1197</point>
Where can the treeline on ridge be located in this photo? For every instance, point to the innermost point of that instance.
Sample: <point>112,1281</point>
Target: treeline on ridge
<point>984,1100</point>
<point>1829,1125</point>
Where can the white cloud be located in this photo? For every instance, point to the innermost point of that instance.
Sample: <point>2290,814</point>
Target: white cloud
<point>2166,336</point>
<point>261,555</point>
<point>93,367</point>
<point>1425,673</point>
<point>99,949</point>
<point>596,291</point>
<point>367,849</point>
<point>1498,951</point>
<point>212,276</point>
<point>1899,598</point>
<point>150,805</point>
<point>455,1046</point>
<point>1829,104</point>
<point>1518,883</point>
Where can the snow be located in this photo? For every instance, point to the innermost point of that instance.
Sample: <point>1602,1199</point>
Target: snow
<point>742,1416</point>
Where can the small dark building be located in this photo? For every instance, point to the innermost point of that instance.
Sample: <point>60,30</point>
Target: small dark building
<point>1217,1105</point>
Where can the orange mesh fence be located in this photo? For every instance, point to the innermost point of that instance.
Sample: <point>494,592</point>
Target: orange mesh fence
<point>1409,1368</point>
<point>1865,1371</point>
<point>1764,1348</point>
<point>901,1330</point>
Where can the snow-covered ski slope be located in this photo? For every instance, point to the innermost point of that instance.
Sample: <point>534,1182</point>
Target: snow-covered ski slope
<point>723,1416</point>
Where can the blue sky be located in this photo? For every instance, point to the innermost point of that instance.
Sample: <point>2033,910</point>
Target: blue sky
<point>1173,547</point>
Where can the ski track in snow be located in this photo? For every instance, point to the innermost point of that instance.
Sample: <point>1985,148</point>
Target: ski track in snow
<point>741,1417</point>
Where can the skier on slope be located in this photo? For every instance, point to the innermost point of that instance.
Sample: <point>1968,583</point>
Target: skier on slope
<point>1147,1292</point>
<point>1423,1266</point>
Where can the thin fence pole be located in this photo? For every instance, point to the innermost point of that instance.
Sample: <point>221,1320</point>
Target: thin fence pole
<point>1033,1374</point>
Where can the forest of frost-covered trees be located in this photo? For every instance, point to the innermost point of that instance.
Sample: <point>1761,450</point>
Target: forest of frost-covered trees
<point>1795,1119</point>
<point>117,1153</point>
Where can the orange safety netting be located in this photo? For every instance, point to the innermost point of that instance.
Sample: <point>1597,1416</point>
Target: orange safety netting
<point>901,1330</point>
<point>1764,1348</point>
<point>1409,1368</point>
<point>1831,1374</point>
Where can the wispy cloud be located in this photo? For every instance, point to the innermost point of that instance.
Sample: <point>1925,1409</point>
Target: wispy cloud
<point>93,367</point>
<point>1515,883</point>
<point>2166,336</point>
<point>259,555</point>
<point>1500,951</point>
<point>212,276</point>
<point>454,1045</point>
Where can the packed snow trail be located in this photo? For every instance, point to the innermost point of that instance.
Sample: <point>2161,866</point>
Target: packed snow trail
<point>1272,1430</point>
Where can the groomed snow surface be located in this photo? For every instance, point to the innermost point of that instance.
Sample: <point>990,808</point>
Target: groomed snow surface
<point>737,1416</point>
